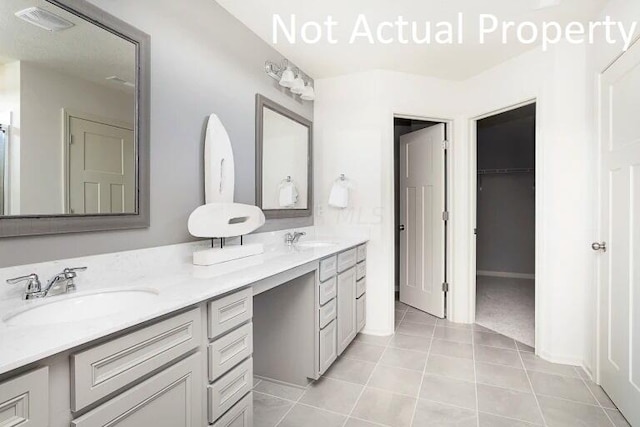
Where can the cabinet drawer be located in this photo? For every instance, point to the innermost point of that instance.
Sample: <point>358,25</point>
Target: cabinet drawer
<point>328,346</point>
<point>241,415</point>
<point>361,270</point>
<point>346,260</point>
<point>328,268</point>
<point>108,367</point>
<point>24,400</point>
<point>327,291</point>
<point>228,312</point>
<point>229,350</point>
<point>361,311</point>
<point>327,313</point>
<point>172,398</point>
<point>229,389</point>
<point>362,253</point>
<point>361,287</point>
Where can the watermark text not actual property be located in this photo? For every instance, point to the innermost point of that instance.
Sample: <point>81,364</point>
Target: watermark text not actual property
<point>288,29</point>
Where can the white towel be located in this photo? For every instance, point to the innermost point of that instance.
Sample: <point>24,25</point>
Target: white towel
<point>288,195</point>
<point>339,196</point>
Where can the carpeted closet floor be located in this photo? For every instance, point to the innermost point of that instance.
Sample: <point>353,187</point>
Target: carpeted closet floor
<point>507,306</point>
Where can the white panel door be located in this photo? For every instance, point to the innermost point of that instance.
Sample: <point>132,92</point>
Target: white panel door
<point>422,203</point>
<point>101,168</point>
<point>619,315</point>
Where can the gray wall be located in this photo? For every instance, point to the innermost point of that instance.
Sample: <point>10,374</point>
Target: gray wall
<point>203,61</point>
<point>506,202</point>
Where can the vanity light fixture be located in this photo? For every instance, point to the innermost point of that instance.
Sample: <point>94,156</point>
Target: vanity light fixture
<point>117,79</point>
<point>298,85</point>
<point>308,93</point>
<point>288,78</point>
<point>297,82</point>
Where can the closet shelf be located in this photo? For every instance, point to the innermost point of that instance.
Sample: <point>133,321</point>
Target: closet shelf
<point>505,171</point>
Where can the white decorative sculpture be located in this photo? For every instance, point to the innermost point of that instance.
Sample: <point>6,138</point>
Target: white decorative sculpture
<point>220,217</point>
<point>219,168</point>
<point>225,220</point>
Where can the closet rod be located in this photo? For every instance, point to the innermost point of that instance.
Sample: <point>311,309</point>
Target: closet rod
<point>504,171</point>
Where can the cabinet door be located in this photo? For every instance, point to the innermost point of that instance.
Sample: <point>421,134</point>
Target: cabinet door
<point>24,400</point>
<point>347,327</point>
<point>172,398</point>
<point>361,311</point>
<point>328,346</point>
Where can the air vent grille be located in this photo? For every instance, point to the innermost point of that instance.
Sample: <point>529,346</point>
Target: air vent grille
<point>44,19</point>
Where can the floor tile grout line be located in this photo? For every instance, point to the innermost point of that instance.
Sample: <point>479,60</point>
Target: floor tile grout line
<point>424,371</point>
<point>544,422</point>
<point>364,387</point>
<point>292,406</point>
<point>597,400</point>
<point>506,417</point>
<point>274,396</point>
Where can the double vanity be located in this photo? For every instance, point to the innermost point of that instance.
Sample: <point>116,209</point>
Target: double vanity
<point>180,345</point>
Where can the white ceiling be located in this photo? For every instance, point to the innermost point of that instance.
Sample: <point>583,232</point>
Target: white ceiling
<point>453,62</point>
<point>83,51</point>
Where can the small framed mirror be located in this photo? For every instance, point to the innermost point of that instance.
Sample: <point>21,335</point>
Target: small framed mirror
<point>284,167</point>
<point>74,119</point>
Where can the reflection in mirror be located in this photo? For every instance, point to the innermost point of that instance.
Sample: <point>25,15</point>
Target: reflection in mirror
<point>68,111</point>
<point>284,161</point>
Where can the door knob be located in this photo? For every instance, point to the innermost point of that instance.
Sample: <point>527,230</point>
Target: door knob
<point>596,246</point>
<point>401,227</point>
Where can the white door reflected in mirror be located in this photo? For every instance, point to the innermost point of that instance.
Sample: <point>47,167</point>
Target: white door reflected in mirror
<point>284,162</point>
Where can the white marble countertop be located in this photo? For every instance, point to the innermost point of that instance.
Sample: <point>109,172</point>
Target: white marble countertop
<point>166,269</point>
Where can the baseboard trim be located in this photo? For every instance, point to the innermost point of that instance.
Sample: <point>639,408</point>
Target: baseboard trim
<point>505,274</point>
<point>376,332</point>
<point>563,360</point>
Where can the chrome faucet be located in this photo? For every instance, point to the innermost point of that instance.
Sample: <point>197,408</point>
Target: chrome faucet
<point>291,238</point>
<point>61,283</point>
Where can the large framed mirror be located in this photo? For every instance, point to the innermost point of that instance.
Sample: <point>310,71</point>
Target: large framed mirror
<point>284,167</point>
<point>74,119</point>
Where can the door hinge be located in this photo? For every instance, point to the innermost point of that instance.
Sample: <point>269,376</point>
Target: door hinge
<point>445,287</point>
<point>445,216</point>
<point>445,144</point>
<point>70,139</point>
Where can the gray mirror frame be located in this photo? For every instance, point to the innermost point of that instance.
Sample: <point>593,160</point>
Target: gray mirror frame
<point>264,102</point>
<point>31,225</point>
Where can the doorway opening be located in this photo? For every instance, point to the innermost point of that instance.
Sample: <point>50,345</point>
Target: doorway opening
<point>505,223</point>
<point>420,173</point>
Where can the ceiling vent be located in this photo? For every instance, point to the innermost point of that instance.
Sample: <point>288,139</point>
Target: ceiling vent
<point>44,19</point>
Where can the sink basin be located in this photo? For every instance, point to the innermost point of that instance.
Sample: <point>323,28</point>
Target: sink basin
<point>80,307</point>
<point>315,244</point>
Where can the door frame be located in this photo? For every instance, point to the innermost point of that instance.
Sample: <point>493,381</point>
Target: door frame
<point>473,208</point>
<point>448,181</point>
<point>67,115</point>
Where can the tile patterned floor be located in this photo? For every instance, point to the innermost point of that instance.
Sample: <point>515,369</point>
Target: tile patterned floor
<point>436,373</point>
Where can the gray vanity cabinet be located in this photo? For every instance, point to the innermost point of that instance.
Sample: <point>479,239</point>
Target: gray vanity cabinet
<point>342,300</point>
<point>347,327</point>
<point>24,400</point>
<point>172,398</point>
<point>241,415</point>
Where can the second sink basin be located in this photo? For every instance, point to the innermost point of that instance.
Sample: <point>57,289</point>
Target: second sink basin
<point>79,307</point>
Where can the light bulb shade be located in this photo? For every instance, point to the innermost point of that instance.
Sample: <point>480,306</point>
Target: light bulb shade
<point>298,86</point>
<point>308,94</point>
<point>287,78</point>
